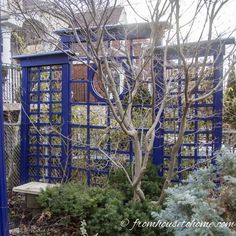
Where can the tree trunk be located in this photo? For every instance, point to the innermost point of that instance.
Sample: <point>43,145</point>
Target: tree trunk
<point>138,193</point>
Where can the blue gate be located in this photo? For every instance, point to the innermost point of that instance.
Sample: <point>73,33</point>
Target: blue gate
<point>68,129</point>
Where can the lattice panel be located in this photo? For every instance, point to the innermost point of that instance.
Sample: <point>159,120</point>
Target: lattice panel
<point>45,116</point>
<point>93,131</point>
<point>200,139</point>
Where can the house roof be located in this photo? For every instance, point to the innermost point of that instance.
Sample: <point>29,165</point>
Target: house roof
<point>112,15</point>
<point>35,5</point>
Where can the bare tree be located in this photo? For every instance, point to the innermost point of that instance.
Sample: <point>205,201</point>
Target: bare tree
<point>165,16</point>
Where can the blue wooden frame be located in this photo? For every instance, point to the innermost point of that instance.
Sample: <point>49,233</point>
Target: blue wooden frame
<point>34,63</point>
<point>28,62</point>
<point>216,50</point>
<point>4,226</point>
<point>66,147</point>
<point>158,150</point>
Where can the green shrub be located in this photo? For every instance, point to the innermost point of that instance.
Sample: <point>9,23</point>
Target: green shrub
<point>103,209</point>
<point>75,200</point>
<point>151,182</point>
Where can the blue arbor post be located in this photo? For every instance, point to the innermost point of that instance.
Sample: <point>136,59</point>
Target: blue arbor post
<point>158,147</point>
<point>3,189</point>
<point>4,230</point>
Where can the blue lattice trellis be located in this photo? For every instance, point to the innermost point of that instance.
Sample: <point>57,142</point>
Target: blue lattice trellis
<point>60,133</point>
<point>203,134</point>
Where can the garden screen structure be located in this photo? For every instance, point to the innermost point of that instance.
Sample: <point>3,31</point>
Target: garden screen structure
<point>68,129</point>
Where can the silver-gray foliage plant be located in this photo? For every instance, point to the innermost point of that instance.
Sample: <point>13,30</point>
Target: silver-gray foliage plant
<point>196,200</point>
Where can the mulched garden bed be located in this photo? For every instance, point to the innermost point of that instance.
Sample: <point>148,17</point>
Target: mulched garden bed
<point>23,222</point>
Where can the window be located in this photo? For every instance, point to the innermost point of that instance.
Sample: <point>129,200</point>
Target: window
<point>118,76</point>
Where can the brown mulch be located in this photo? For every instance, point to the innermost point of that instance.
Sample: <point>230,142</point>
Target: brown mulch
<point>23,222</point>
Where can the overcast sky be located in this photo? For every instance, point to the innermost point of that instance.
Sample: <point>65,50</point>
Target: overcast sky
<point>226,21</point>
